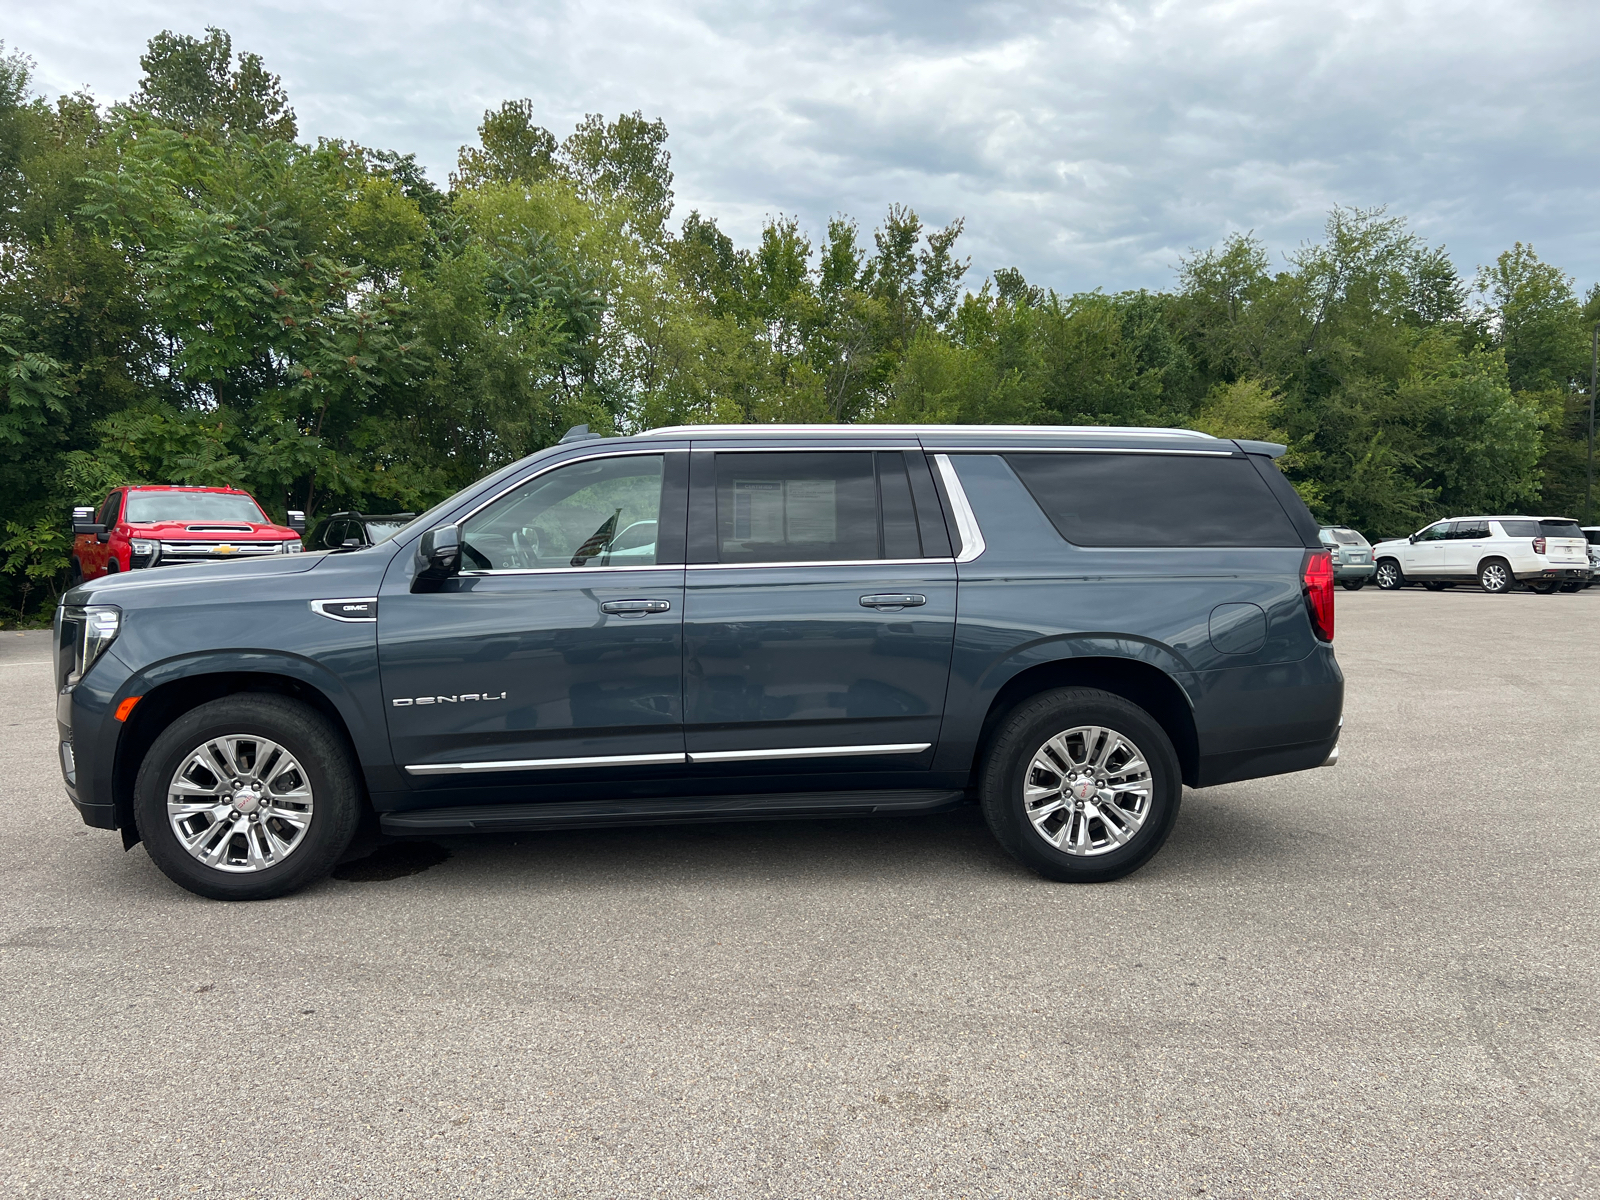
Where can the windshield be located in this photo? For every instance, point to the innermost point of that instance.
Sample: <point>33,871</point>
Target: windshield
<point>149,508</point>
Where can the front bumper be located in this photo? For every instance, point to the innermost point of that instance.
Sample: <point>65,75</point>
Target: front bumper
<point>87,733</point>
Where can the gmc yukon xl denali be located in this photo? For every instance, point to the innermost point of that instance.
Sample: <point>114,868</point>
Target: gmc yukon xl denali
<point>1063,625</point>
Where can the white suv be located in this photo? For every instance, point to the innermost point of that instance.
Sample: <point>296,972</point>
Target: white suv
<point>1546,553</point>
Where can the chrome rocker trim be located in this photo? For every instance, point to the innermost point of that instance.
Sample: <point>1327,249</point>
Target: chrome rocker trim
<point>648,760</point>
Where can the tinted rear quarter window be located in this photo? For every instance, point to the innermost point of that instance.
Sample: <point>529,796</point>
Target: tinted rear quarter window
<point>1520,529</point>
<point>1155,500</point>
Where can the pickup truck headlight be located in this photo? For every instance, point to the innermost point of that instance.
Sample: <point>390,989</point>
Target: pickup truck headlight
<point>87,631</point>
<point>143,552</point>
<point>293,546</point>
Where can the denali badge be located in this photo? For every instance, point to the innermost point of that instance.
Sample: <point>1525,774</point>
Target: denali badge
<point>457,699</point>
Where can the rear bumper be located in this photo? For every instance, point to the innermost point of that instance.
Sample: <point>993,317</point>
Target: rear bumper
<point>1268,720</point>
<point>1343,571</point>
<point>1562,574</point>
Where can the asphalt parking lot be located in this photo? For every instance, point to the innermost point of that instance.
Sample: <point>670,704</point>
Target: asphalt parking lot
<point>1375,980</point>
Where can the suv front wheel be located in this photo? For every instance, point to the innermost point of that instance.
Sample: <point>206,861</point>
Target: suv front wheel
<point>246,798</point>
<point>1389,575</point>
<point>1081,785</point>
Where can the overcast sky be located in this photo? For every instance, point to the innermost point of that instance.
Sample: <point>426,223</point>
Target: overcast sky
<point>1090,144</point>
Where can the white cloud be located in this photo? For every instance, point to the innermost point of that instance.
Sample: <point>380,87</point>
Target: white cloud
<point>1089,143</point>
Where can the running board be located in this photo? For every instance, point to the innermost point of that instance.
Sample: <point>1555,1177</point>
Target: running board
<point>595,814</point>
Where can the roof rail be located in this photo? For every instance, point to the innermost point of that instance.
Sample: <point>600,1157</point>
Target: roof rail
<point>859,430</point>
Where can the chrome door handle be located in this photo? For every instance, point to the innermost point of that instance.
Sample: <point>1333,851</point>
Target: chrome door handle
<point>634,608</point>
<point>900,600</point>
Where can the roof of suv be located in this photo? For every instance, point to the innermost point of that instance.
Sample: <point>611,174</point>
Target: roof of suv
<point>919,430</point>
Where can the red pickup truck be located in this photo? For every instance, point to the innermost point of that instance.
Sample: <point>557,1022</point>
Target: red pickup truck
<point>158,526</point>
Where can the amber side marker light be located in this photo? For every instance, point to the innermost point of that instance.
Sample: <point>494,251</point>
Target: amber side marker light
<point>126,707</point>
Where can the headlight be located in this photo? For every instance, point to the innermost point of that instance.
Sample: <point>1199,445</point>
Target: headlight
<point>141,546</point>
<point>290,547</point>
<point>92,629</point>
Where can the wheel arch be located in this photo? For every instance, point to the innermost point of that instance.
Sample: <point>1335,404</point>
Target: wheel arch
<point>165,702</point>
<point>1138,682</point>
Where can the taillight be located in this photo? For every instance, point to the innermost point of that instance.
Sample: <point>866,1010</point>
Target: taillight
<point>1538,545</point>
<point>1317,579</point>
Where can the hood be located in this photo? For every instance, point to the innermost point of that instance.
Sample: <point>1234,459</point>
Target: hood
<point>242,573</point>
<point>178,531</point>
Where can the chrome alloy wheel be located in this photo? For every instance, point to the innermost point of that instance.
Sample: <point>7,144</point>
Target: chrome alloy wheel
<point>1388,575</point>
<point>239,803</point>
<point>1087,791</point>
<point>1495,578</point>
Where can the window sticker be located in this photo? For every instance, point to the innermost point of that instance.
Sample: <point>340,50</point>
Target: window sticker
<point>785,510</point>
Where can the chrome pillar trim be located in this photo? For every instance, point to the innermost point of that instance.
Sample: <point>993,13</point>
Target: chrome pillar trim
<point>967,529</point>
<point>716,756</point>
<point>547,764</point>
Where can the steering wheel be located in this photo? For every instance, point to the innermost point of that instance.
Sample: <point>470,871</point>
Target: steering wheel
<point>525,546</point>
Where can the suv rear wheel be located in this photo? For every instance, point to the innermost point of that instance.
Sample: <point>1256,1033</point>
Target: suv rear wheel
<point>1389,575</point>
<point>1495,576</point>
<point>246,798</point>
<point>1081,785</point>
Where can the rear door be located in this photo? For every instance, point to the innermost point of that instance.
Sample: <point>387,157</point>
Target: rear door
<point>1466,546</point>
<point>1564,544</point>
<point>819,604</point>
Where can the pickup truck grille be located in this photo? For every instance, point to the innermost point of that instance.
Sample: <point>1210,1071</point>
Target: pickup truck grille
<point>207,551</point>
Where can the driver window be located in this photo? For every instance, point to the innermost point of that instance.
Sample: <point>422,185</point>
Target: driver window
<point>1435,533</point>
<point>599,513</point>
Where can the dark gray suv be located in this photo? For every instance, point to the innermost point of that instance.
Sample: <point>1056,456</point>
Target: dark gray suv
<point>1064,625</point>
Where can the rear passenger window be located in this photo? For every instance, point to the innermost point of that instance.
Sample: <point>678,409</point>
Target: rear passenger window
<point>1155,500</point>
<point>823,506</point>
<point>1520,529</point>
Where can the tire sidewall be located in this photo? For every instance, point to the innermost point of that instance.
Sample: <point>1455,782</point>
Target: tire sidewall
<point>1484,584</point>
<point>302,731</point>
<point>1028,726</point>
<point>1399,575</point>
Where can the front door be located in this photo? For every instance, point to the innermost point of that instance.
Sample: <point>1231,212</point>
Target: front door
<point>557,653</point>
<point>819,613</point>
<point>1425,556</point>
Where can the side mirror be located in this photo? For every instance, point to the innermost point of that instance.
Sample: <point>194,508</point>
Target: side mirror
<point>297,520</point>
<point>1413,538</point>
<point>83,522</point>
<point>440,550</point>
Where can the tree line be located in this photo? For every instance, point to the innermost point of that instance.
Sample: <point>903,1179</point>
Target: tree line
<point>191,294</point>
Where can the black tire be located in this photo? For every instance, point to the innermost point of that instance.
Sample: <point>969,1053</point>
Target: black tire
<point>1543,589</point>
<point>1494,576</point>
<point>1353,585</point>
<point>301,731</point>
<point>1025,731</point>
<point>1389,576</point>
<point>1573,587</point>
<point>1434,585</point>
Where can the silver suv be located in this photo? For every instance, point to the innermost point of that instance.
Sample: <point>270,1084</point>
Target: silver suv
<point>1351,554</point>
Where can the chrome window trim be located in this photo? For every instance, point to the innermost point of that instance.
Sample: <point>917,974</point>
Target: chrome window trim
<point>633,452</point>
<point>821,562</point>
<point>972,543</point>
<point>611,570</point>
<point>1089,450</point>
<point>819,448</point>
<point>548,764</point>
<point>317,607</point>
<point>718,756</point>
